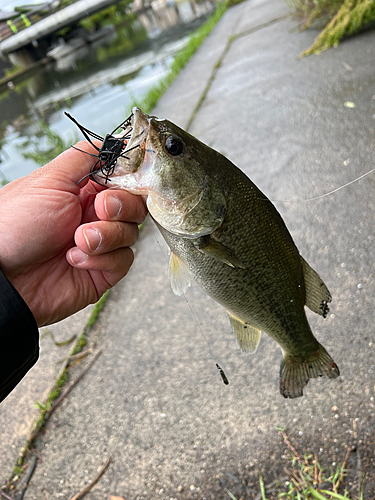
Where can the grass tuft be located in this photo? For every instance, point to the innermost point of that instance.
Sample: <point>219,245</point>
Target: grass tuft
<point>97,310</point>
<point>180,61</point>
<point>341,18</point>
<point>349,19</point>
<point>57,389</point>
<point>307,479</point>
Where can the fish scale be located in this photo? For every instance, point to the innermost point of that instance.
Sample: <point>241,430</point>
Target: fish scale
<point>225,234</point>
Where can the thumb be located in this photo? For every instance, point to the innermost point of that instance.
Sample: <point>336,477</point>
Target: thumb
<point>71,166</point>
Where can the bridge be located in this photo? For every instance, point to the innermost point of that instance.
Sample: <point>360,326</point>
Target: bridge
<point>18,38</point>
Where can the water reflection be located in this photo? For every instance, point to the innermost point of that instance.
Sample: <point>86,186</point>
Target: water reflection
<point>161,15</point>
<point>94,74</point>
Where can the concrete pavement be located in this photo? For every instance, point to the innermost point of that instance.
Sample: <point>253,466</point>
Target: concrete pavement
<point>154,400</point>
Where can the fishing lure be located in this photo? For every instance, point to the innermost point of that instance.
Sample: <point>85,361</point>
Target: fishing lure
<point>223,376</point>
<point>112,148</point>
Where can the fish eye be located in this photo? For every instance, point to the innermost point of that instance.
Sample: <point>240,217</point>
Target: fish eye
<point>173,145</point>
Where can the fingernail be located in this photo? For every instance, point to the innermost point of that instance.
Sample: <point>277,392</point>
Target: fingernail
<point>112,206</point>
<point>93,238</point>
<point>77,256</point>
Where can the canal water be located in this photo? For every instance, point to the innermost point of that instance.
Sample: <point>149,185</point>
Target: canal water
<point>96,83</point>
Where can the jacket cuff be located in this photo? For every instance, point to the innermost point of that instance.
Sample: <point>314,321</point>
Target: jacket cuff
<point>19,337</point>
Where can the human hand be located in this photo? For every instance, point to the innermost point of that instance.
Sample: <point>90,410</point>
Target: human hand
<point>62,245</point>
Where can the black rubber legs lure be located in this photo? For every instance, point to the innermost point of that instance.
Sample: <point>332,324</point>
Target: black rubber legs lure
<point>111,149</point>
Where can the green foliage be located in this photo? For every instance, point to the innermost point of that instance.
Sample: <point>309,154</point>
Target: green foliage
<point>17,470</point>
<point>344,17</point>
<point>3,179</point>
<point>127,38</point>
<point>262,488</point>
<point>196,39</point>
<point>58,387</point>
<point>11,71</point>
<point>45,145</point>
<point>309,10</point>
<point>180,61</point>
<point>114,14</point>
<point>97,310</point>
<point>45,407</point>
<point>232,497</point>
<point>81,342</point>
<point>234,2</point>
<point>306,475</point>
<point>350,18</point>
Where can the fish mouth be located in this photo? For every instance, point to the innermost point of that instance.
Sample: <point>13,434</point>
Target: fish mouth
<point>130,159</point>
<point>134,153</point>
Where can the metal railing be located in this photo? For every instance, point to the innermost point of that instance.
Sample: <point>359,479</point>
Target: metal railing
<point>26,19</point>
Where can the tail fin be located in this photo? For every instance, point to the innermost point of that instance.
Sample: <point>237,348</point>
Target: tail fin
<point>296,372</point>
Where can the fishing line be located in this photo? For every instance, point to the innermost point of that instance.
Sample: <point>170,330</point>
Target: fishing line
<point>298,200</point>
<point>223,376</point>
<point>303,200</point>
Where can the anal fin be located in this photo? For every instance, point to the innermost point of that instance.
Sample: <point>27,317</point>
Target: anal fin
<point>178,274</point>
<point>247,336</point>
<point>317,293</point>
<point>296,372</point>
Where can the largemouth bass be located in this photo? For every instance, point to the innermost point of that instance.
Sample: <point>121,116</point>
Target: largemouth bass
<point>225,234</point>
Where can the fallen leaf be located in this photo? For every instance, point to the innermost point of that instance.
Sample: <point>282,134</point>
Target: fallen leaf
<point>349,104</point>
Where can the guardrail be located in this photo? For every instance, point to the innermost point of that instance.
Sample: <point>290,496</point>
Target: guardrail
<point>26,19</point>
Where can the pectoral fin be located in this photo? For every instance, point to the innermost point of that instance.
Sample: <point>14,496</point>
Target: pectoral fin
<point>178,275</point>
<point>317,294</point>
<point>213,248</point>
<point>247,336</point>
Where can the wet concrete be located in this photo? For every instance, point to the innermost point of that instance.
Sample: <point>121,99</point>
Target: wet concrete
<point>154,400</point>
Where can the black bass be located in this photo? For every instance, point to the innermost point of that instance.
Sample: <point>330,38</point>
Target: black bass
<point>225,234</point>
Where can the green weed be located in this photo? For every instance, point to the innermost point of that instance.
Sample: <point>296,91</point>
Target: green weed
<point>180,61</point>
<point>308,479</point>
<point>340,17</point>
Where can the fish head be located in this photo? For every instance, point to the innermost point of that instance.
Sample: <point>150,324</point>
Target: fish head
<point>176,173</point>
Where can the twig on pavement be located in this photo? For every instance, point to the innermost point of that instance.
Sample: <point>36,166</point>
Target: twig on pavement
<point>73,384</point>
<point>79,355</point>
<point>316,469</point>
<point>30,472</point>
<point>93,482</point>
<point>365,472</point>
<point>336,485</point>
<point>286,439</point>
<point>69,361</point>
<point>63,396</point>
<point>4,495</point>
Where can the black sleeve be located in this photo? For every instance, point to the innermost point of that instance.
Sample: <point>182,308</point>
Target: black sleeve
<point>19,338</point>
